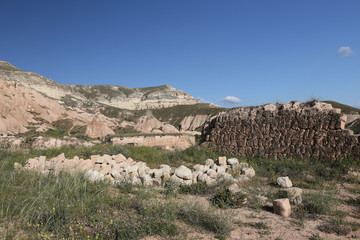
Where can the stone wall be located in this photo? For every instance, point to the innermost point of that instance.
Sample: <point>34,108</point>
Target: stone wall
<point>292,130</point>
<point>166,141</point>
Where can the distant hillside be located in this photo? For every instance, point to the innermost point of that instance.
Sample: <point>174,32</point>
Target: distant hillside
<point>344,108</point>
<point>98,95</point>
<point>353,125</point>
<point>175,115</point>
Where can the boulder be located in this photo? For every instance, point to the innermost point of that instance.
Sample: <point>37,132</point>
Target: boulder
<point>147,180</point>
<point>165,168</point>
<point>284,182</point>
<point>94,176</point>
<point>234,188</point>
<point>214,166</point>
<point>85,165</point>
<point>211,173</point>
<point>232,161</point>
<point>199,167</point>
<point>248,172</point>
<point>221,170</point>
<point>209,162</point>
<point>282,207</point>
<point>183,173</point>
<point>294,194</point>
<point>221,161</point>
<point>210,182</point>
<point>157,173</point>
<point>202,177</point>
<point>119,158</point>
<point>116,175</point>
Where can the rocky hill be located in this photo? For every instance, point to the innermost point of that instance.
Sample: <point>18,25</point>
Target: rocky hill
<point>33,105</point>
<point>98,95</point>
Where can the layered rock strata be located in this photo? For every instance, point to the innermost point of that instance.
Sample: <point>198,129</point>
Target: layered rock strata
<point>306,130</point>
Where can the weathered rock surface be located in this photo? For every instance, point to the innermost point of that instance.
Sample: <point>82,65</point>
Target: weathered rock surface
<point>284,182</point>
<point>110,95</point>
<point>97,129</point>
<point>282,207</point>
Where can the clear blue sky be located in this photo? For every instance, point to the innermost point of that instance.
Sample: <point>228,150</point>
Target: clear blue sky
<point>258,51</point>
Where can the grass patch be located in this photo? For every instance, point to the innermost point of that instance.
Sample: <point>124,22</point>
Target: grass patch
<point>196,215</point>
<point>154,157</point>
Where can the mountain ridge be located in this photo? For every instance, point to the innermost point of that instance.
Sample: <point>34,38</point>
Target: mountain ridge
<point>99,95</point>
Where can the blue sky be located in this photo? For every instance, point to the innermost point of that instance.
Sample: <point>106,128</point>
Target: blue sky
<point>256,51</point>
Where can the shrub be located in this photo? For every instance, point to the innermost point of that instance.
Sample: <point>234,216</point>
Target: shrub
<point>227,199</point>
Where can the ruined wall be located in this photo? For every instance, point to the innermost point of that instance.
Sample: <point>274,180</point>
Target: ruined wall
<point>292,130</point>
<point>167,141</point>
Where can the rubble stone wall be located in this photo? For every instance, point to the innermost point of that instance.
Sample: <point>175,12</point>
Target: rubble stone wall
<point>293,130</point>
<point>167,141</point>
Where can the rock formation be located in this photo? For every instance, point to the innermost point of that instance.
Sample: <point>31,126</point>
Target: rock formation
<point>193,122</point>
<point>97,129</point>
<point>99,95</point>
<point>311,130</point>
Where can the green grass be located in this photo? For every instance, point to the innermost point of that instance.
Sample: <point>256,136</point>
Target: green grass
<point>154,157</point>
<point>197,215</point>
<point>67,206</point>
<point>5,66</point>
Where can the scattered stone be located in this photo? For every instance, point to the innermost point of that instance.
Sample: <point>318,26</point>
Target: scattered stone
<point>209,162</point>
<point>183,173</point>
<point>284,182</point>
<point>234,188</point>
<point>232,161</point>
<point>116,175</point>
<point>282,207</point>
<point>211,173</point>
<point>199,167</point>
<point>158,173</point>
<point>17,166</point>
<point>248,172</point>
<point>221,170</point>
<point>117,169</point>
<point>294,194</point>
<point>222,161</point>
<point>210,181</point>
<point>202,177</point>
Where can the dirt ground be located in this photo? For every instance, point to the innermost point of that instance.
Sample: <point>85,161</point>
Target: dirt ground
<point>251,224</point>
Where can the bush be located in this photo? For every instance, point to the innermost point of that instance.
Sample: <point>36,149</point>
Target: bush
<point>196,189</point>
<point>227,199</point>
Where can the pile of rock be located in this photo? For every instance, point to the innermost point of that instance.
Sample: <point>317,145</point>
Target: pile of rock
<point>293,194</point>
<point>118,169</point>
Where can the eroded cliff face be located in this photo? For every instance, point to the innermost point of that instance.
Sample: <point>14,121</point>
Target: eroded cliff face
<point>306,130</point>
<point>22,109</point>
<point>98,95</point>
